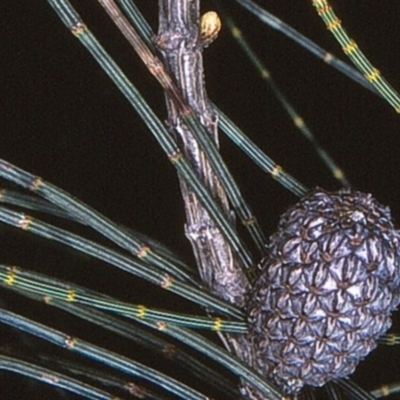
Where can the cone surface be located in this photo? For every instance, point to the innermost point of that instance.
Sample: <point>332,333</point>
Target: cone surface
<point>326,291</point>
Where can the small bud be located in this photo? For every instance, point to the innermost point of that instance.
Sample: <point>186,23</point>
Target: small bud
<point>210,25</point>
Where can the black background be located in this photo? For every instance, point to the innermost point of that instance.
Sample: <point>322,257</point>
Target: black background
<point>61,118</point>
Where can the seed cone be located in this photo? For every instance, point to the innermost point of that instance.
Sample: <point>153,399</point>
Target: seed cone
<point>326,291</point>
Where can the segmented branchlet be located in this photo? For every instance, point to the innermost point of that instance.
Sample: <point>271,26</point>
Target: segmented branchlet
<point>327,289</point>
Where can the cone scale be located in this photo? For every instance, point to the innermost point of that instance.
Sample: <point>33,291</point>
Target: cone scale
<point>326,290</point>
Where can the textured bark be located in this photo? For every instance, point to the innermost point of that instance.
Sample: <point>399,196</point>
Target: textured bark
<point>181,46</point>
<point>178,41</point>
